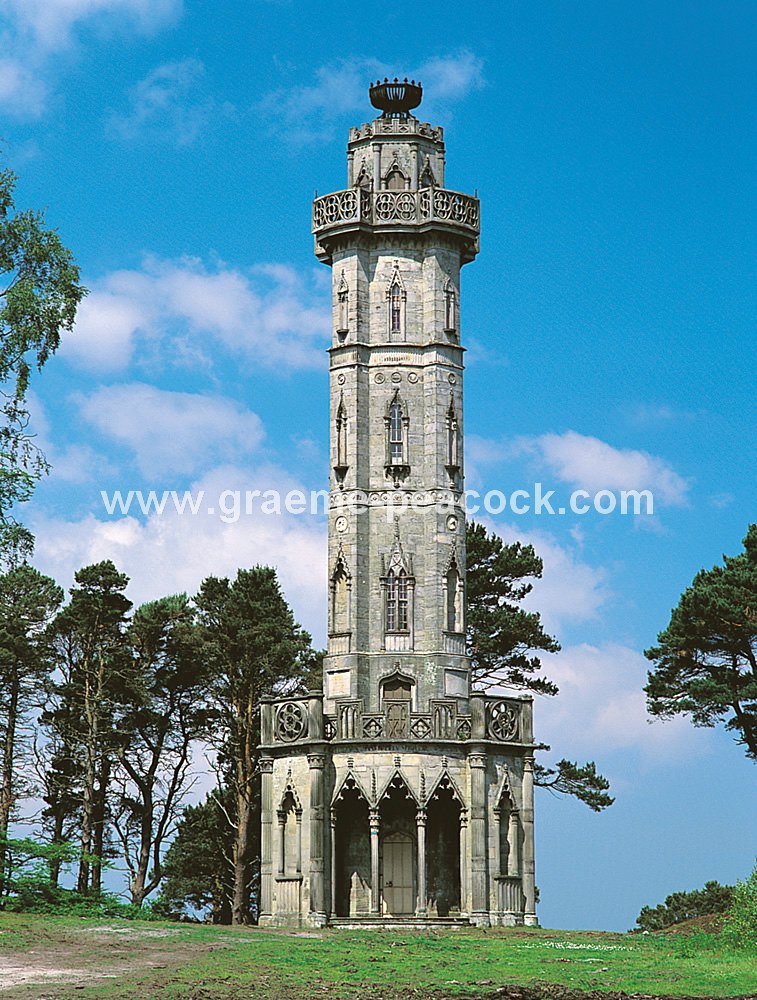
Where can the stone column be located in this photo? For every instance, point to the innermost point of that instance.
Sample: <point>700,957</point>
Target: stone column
<point>497,872</point>
<point>528,866</point>
<point>479,893</point>
<point>376,166</point>
<point>373,818</point>
<point>316,762</point>
<point>266,847</point>
<point>513,839</point>
<point>420,826</point>
<point>298,859</point>
<point>333,863</point>
<point>463,860</point>
<point>282,840</point>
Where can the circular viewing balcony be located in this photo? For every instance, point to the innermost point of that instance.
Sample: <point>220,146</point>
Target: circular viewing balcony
<point>428,208</point>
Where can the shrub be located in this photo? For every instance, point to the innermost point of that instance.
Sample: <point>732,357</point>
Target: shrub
<point>740,928</point>
<point>680,906</point>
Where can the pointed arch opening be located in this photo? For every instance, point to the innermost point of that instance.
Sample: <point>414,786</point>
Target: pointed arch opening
<point>453,604</point>
<point>394,178</point>
<point>443,850</point>
<point>290,832</point>
<point>452,443</point>
<point>398,855</point>
<point>352,851</point>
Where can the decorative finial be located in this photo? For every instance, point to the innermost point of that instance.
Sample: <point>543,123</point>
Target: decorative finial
<point>396,99</point>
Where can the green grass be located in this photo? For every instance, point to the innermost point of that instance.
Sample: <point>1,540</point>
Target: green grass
<point>181,961</point>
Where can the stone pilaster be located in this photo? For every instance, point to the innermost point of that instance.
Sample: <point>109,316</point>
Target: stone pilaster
<point>529,868</point>
<point>316,762</point>
<point>266,810</point>
<point>479,886</point>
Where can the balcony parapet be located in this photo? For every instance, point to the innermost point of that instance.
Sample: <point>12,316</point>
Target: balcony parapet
<point>428,208</point>
<point>492,719</point>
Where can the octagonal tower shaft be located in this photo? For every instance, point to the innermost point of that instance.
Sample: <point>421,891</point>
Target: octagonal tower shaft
<point>396,239</point>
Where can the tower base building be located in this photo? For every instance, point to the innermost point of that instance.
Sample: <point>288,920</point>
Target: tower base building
<point>397,793</point>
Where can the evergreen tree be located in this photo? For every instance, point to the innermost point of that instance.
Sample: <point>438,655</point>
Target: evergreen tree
<point>503,639</point>
<point>28,600</point>
<point>254,648</point>
<point>502,636</point>
<point>198,866</point>
<point>705,661</point>
<point>163,711</point>
<point>93,660</point>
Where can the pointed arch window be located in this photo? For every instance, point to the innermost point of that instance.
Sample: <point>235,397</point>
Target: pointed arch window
<point>340,600</point>
<point>395,311</point>
<point>396,437</point>
<point>450,311</point>
<point>427,178</point>
<point>397,423</point>
<point>453,588</point>
<point>397,601</point>
<point>396,298</point>
<point>398,590</point>
<point>395,180</point>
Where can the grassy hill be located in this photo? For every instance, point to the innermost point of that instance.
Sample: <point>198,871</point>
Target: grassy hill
<point>57,958</point>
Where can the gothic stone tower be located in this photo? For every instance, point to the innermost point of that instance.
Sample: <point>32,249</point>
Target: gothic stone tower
<point>397,792</point>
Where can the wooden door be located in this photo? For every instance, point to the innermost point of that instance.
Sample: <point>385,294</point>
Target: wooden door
<point>399,892</point>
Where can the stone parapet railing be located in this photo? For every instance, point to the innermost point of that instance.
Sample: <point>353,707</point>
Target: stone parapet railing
<point>491,718</point>
<point>401,208</point>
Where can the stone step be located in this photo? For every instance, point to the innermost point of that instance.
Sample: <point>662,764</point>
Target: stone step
<point>399,923</point>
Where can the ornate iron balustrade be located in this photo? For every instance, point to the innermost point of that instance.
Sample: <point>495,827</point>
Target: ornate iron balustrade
<point>381,208</point>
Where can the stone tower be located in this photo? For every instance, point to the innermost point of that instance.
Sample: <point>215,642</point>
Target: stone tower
<point>397,793</point>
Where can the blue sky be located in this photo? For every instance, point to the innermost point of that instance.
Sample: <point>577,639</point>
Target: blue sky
<point>609,318</point>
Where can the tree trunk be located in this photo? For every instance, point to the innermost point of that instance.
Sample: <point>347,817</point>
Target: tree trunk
<point>240,910</point>
<point>139,882</point>
<point>58,821</point>
<point>6,793</point>
<point>87,814</point>
<point>98,840</point>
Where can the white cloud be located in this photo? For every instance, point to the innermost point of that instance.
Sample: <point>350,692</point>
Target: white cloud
<point>657,413</point>
<point>569,590</point>
<point>51,24</point>
<point>268,314</point>
<point>173,553</point>
<point>34,34</point>
<point>168,104</point>
<point>22,93</point>
<point>588,463</point>
<point>308,113</point>
<point>601,706</point>
<point>73,463</point>
<point>172,432</point>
